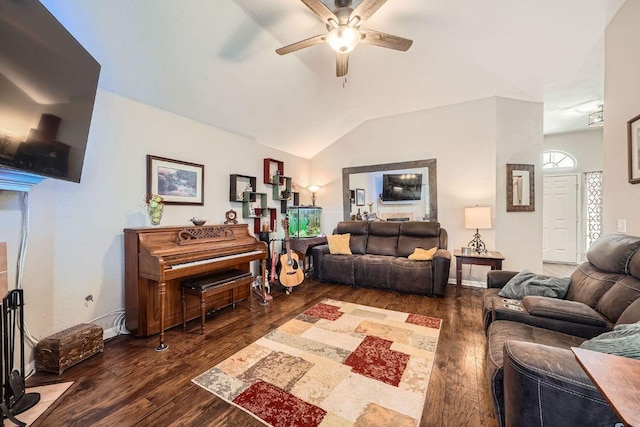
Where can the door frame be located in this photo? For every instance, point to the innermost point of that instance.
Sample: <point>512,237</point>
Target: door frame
<point>580,235</point>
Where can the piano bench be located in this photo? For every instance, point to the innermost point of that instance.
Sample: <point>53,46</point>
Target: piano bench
<point>212,285</point>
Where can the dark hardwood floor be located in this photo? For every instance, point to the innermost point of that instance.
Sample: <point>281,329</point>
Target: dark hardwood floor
<point>132,385</point>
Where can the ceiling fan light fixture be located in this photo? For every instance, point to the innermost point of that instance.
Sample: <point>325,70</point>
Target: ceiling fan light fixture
<point>343,39</point>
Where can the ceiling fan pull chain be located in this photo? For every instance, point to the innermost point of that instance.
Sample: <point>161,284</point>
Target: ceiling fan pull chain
<point>344,83</point>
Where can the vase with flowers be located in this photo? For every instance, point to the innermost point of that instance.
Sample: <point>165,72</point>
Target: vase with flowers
<point>155,206</point>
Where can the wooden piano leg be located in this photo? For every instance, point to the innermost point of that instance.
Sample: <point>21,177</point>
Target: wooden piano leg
<point>162,294</point>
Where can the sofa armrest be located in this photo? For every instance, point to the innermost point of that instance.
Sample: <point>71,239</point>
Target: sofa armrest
<point>318,252</point>
<point>545,385</point>
<point>568,311</point>
<point>440,265</point>
<point>499,278</point>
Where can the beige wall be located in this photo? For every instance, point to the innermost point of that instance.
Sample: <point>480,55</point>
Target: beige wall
<point>464,139</point>
<point>585,147</point>
<point>76,240</point>
<point>622,95</point>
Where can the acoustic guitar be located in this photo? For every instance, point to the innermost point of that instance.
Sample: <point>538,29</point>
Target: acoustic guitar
<point>290,273</point>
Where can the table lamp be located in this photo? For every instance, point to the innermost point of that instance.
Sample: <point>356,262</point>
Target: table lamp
<point>478,217</point>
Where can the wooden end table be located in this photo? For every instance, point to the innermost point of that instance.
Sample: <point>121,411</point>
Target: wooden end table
<point>492,259</point>
<point>617,379</point>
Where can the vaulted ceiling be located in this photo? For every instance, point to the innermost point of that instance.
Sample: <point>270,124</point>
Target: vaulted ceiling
<point>214,61</point>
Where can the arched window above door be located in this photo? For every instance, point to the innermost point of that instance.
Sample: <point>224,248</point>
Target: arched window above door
<point>554,159</point>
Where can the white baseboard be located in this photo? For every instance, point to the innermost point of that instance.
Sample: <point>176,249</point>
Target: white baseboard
<point>109,333</point>
<point>469,283</point>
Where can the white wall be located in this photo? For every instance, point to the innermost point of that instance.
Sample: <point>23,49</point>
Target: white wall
<point>622,92</point>
<point>519,140</point>
<point>585,147</point>
<point>463,139</point>
<point>76,234</point>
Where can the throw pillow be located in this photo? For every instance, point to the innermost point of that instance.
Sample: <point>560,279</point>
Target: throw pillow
<point>528,283</point>
<point>624,340</point>
<point>339,244</point>
<point>420,254</point>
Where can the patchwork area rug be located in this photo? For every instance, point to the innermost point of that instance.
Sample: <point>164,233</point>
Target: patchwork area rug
<point>336,364</point>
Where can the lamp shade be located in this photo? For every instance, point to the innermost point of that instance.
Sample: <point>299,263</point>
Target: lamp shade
<point>478,217</point>
<point>313,188</point>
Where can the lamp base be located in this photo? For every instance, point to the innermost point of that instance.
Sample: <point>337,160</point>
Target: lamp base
<point>477,245</point>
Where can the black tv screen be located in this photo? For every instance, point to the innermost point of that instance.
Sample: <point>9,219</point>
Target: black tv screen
<point>48,85</point>
<point>399,187</point>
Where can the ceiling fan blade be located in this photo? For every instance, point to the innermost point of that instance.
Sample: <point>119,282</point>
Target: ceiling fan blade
<point>365,9</point>
<point>376,38</point>
<point>342,64</point>
<point>321,10</point>
<point>302,44</point>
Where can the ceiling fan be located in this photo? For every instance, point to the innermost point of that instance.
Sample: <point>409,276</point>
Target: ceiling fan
<point>344,32</point>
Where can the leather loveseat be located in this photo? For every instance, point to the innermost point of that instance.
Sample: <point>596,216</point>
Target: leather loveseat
<point>533,375</point>
<point>379,257</point>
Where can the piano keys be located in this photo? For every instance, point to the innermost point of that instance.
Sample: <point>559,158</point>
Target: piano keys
<point>157,259</point>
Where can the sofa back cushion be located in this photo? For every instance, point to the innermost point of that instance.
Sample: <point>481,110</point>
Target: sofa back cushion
<point>418,234</point>
<point>359,232</point>
<point>631,314</point>
<point>619,297</point>
<point>613,253</point>
<point>589,284</point>
<point>383,238</point>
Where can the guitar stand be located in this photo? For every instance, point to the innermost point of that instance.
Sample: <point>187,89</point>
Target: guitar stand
<point>15,400</point>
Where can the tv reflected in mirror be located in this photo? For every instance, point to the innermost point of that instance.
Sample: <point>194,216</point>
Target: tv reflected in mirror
<point>399,187</point>
<point>48,84</point>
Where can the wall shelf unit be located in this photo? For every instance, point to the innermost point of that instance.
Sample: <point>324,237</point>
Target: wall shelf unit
<point>271,168</point>
<point>238,185</point>
<point>295,198</point>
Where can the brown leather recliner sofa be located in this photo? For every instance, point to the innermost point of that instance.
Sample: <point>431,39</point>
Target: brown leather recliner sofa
<point>533,375</point>
<point>380,253</point>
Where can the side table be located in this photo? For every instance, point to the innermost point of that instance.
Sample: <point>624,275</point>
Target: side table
<point>492,259</point>
<point>616,378</point>
<point>302,246</point>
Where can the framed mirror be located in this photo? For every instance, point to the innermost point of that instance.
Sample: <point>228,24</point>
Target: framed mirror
<point>520,188</point>
<point>427,166</point>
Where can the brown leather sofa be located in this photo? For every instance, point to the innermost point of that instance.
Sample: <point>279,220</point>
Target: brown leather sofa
<point>379,257</point>
<point>533,375</point>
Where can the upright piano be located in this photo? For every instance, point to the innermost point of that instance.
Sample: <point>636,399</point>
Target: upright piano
<point>157,259</point>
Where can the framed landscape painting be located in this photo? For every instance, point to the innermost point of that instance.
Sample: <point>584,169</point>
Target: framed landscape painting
<point>633,135</point>
<point>359,196</point>
<point>179,183</point>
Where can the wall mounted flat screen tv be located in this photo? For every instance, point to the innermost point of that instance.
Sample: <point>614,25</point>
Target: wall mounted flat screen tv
<point>401,187</point>
<point>48,85</point>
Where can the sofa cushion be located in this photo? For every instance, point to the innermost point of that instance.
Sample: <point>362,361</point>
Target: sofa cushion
<point>612,253</point>
<point>372,271</point>
<point>418,234</point>
<point>411,276</point>
<point>338,268</point>
<point>528,283</point>
<point>624,340</point>
<point>420,254</point>
<point>383,238</point>
<point>359,233</point>
<point>570,311</point>
<point>588,284</point>
<point>619,297</point>
<point>631,314</point>
<point>339,244</point>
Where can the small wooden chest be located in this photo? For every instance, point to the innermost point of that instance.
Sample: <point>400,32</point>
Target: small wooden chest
<point>69,347</point>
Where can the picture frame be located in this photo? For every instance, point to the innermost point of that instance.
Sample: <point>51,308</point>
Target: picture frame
<point>633,135</point>
<point>359,196</point>
<point>178,182</point>
<point>521,188</point>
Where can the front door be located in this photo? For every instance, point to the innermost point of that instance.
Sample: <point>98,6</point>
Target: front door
<point>560,218</point>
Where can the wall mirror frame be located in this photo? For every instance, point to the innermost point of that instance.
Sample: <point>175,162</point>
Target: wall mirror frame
<point>520,188</point>
<point>414,164</point>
